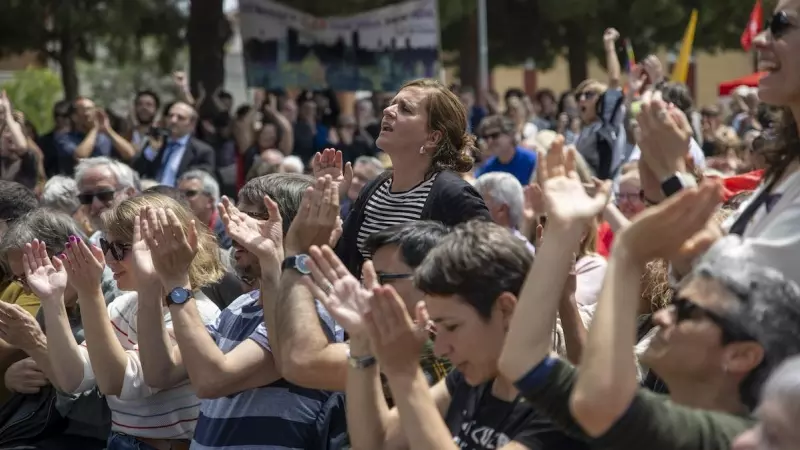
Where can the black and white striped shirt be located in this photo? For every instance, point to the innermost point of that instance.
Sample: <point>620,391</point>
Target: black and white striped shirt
<point>386,208</point>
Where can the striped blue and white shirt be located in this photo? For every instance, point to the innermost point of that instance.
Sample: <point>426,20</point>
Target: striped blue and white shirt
<point>275,417</point>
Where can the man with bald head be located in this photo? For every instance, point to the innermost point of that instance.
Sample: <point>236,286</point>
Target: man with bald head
<point>165,160</point>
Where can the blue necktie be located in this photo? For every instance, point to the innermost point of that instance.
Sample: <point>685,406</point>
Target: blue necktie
<point>168,151</point>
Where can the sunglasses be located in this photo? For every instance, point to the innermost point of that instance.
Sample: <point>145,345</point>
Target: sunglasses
<point>190,193</point>
<point>780,24</point>
<point>117,249</point>
<point>490,136</point>
<point>384,278</point>
<point>588,95</point>
<point>257,215</point>
<point>87,198</point>
<point>686,309</point>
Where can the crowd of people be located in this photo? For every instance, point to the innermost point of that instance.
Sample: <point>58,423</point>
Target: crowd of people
<point>611,268</point>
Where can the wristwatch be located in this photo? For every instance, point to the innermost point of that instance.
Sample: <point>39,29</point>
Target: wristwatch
<point>178,296</point>
<point>360,362</point>
<point>676,183</point>
<point>298,263</point>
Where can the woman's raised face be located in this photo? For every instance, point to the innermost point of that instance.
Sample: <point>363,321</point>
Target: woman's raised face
<point>405,122</point>
<point>778,48</point>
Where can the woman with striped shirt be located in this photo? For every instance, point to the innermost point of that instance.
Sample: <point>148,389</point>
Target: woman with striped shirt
<point>142,417</point>
<point>424,132</point>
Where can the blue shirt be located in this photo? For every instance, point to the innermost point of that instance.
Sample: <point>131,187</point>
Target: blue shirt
<point>278,416</point>
<point>173,154</point>
<point>521,165</point>
<point>67,143</point>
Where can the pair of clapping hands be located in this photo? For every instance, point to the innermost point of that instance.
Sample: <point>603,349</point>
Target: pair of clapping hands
<point>675,222</point>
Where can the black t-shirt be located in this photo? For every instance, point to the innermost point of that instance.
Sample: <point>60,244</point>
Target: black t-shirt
<point>480,421</point>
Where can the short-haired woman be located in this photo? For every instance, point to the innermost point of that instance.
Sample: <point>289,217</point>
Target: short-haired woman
<point>424,132</point>
<point>110,358</point>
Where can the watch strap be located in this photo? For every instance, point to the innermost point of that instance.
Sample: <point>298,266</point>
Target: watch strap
<point>360,362</point>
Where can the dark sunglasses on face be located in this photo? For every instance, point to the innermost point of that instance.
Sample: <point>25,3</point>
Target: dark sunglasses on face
<point>117,249</point>
<point>780,24</point>
<point>588,95</point>
<point>490,136</point>
<point>384,277</point>
<point>685,309</point>
<point>190,193</point>
<point>87,198</point>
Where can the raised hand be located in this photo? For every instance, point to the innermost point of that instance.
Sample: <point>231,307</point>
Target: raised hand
<point>84,267</point>
<point>330,162</point>
<point>317,218</point>
<point>46,278</point>
<point>171,248</point>
<point>610,36</point>
<point>666,135</point>
<point>19,328</point>
<point>263,238</point>
<point>664,230</point>
<point>396,340</point>
<point>566,200</point>
<point>343,296</point>
<point>144,272</point>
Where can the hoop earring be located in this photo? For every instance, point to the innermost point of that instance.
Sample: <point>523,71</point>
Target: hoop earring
<point>422,150</point>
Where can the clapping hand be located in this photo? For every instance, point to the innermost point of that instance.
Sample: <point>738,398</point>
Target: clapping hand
<point>396,340</point>
<point>46,278</point>
<point>666,136</point>
<point>19,328</point>
<point>262,238</point>
<point>171,248</point>
<point>566,199</point>
<point>663,231</point>
<point>144,272</point>
<point>317,218</point>
<point>84,266</point>
<point>25,377</point>
<point>330,162</point>
<point>343,296</point>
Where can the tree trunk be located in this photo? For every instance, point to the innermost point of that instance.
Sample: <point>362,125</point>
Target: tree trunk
<point>468,53</point>
<point>67,59</point>
<point>207,33</point>
<point>577,54</point>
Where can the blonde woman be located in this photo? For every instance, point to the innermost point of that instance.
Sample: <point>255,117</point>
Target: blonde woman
<point>142,417</point>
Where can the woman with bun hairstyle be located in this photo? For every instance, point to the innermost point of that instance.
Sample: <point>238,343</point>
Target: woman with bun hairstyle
<point>424,132</point>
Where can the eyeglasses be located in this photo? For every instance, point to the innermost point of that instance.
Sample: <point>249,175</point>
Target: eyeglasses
<point>384,277</point>
<point>686,309</point>
<point>631,197</point>
<point>87,198</point>
<point>490,136</point>
<point>780,24</point>
<point>257,215</point>
<point>588,95</point>
<point>190,193</point>
<point>117,249</point>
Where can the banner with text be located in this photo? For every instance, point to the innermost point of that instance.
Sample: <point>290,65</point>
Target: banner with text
<point>377,50</point>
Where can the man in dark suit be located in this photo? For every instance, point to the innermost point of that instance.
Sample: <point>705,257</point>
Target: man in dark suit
<point>179,152</point>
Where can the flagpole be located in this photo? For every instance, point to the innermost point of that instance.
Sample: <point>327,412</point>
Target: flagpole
<point>483,47</point>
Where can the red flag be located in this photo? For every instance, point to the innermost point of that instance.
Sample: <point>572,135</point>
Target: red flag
<point>754,26</point>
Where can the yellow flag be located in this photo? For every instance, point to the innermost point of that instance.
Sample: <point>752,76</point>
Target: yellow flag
<point>681,70</point>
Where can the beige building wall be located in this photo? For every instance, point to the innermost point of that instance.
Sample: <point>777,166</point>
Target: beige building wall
<point>710,70</point>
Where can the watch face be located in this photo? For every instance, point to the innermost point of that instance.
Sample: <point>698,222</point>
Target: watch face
<point>301,263</point>
<point>180,295</point>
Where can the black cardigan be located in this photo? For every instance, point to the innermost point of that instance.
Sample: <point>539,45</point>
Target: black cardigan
<point>451,201</point>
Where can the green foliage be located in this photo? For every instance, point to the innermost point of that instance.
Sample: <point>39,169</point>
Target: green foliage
<point>67,31</point>
<point>34,91</point>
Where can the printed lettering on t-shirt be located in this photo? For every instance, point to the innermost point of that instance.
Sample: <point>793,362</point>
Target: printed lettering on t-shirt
<point>482,437</point>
